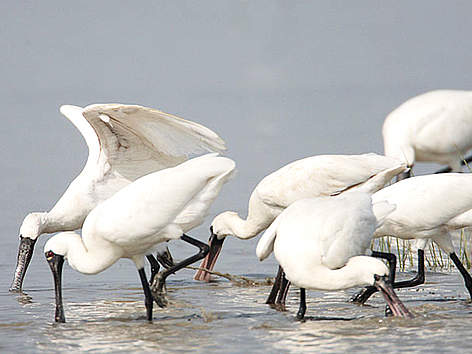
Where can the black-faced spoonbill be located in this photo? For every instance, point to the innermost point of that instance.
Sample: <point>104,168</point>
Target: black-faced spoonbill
<point>433,127</point>
<point>427,207</point>
<point>320,244</point>
<point>322,175</point>
<point>125,142</point>
<point>161,206</point>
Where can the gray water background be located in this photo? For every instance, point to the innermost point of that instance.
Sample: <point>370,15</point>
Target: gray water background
<point>278,81</point>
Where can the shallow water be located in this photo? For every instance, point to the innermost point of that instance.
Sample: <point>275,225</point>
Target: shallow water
<point>106,312</point>
<point>278,81</point>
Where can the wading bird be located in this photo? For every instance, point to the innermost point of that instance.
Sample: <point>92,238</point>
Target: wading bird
<point>427,207</point>
<point>315,176</point>
<point>320,244</point>
<point>125,142</point>
<point>433,127</point>
<point>159,207</point>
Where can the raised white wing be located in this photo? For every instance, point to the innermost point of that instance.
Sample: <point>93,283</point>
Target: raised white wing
<point>133,141</point>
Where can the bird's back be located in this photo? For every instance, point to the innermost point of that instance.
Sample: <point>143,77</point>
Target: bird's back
<point>424,203</point>
<point>430,125</point>
<point>321,175</point>
<point>324,232</point>
<point>161,205</point>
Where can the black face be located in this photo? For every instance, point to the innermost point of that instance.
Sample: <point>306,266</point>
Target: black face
<point>49,255</point>
<point>211,232</point>
<point>378,277</point>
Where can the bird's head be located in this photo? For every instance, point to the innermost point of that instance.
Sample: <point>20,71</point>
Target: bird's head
<point>61,243</point>
<point>221,224</point>
<point>372,271</point>
<point>33,225</point>
<point>366,268</point>
<point>219,229</point>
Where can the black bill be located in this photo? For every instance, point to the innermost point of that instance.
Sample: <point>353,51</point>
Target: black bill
<point>396,306</point>
<point>209,261</point>
<point>55,263</point>
<point>25,252</point>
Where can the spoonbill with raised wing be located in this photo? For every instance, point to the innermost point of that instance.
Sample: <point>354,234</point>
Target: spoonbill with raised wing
<point>125,142</point>
<point>161,206</point>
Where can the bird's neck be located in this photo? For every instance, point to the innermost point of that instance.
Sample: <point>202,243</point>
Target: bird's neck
<point>92,259</point>
<point>244,229</point>
<point>50,225</point>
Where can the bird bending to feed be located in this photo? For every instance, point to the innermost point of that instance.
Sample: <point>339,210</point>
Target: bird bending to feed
<point>161,206</point>
<point>433,127</point>
<point>315,176</point>
<point>427,207</point>
<point>125,142</point>
<point>320,244</point>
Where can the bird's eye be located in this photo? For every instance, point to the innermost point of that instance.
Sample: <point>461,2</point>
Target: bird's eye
<point>376,277</point>
<point>49,255</point>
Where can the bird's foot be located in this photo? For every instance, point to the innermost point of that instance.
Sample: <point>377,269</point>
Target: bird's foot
<point>278,307</point>
<point>158,290</point>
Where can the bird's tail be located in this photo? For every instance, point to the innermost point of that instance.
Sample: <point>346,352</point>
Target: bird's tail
<point>265,246</point>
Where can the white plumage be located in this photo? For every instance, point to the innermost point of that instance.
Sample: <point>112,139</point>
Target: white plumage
<point>315,176</point>
<point>158,207</point>
<point>433,127</point>
<point>427,207</point>
<point>320,242</point>
<point>125,142</point>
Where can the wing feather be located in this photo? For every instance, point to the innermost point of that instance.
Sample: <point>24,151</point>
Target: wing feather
<point>135,140</point>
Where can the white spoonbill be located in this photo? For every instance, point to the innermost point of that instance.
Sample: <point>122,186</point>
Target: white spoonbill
<point>161,206</point>
<point>433,127</point>
<point>125,142</point>
<point>320,244</point>
<point>322,175</point>
<point>428,207</point>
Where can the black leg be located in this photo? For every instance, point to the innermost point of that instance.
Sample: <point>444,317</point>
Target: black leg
<point>391,260</point>
<point>464,272</point>
<point>154,267</point>
<point>157,286</point>
<point>165,258</point>
<point>147,294</point>
<point>302,308</point>
<point>275,288</point>
<point>364,295</point>
<point>418,279</point>
<point>283,291</point>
